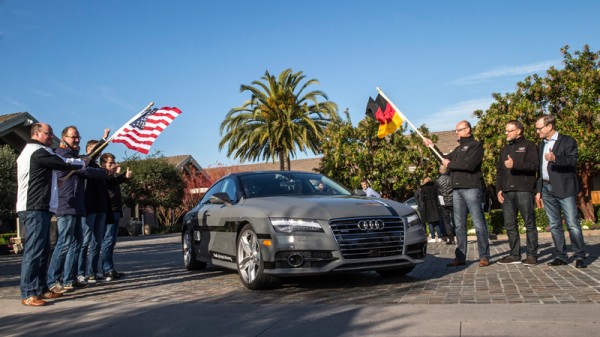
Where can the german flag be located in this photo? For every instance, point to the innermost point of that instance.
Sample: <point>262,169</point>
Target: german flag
<point>382,111</point>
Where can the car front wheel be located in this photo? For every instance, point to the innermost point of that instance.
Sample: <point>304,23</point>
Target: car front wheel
<point>249,261</point>
<point>189,254</point>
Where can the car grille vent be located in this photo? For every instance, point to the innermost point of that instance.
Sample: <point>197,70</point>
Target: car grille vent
<point>357,243</point>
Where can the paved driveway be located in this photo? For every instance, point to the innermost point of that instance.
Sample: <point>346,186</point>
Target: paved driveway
<point>153,265</point>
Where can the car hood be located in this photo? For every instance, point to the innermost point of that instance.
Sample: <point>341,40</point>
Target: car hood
<point>325,208</point>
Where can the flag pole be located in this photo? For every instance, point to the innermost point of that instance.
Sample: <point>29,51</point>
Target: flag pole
<point>409,123</point>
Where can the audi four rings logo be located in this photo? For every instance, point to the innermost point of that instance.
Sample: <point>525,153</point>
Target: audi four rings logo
<point>371,225</point>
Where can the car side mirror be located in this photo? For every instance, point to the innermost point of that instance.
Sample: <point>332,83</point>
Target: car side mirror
<point>219,198</point>
<point>360,192</point>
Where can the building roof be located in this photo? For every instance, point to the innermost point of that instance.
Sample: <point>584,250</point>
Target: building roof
<point>446,143</point>
<point>446,140</point>
<point>15,130</point>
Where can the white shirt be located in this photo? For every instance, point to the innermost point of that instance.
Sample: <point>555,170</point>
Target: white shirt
<point>548,145</point>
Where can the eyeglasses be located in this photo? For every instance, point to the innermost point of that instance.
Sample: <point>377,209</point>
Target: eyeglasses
<point>46,133</point>
<point>509,131</point>
<point>73,137</point>
<point>538,129</point>
<point>459,130</point>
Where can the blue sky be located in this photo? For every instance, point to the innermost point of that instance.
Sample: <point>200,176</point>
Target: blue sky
<point>94,64</point>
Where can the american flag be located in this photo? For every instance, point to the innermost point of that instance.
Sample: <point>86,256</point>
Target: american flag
<point>141,133</point>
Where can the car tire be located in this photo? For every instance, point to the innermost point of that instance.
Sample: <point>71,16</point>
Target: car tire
<point>250,264</point>
<point>395,272</point>
<point>189,254</point>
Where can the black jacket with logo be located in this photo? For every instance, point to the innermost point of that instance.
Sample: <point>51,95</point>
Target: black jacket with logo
<point>465,164</point>
<point>526,162</point>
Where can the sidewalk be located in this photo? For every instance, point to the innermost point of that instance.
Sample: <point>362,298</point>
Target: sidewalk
<point>158,297</point>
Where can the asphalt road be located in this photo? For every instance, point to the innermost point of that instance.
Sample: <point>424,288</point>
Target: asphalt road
<point>159,297</point>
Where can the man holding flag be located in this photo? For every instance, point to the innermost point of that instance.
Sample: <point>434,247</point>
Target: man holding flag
<point>464,163</point>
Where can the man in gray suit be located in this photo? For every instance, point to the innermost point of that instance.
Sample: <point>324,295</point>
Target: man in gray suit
<point>558,186</point>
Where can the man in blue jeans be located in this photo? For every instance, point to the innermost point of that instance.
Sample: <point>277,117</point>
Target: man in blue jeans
<point>37,200</point>
<point>70,210</point>
<point>516,171</point>
<point>96,206</point>
<point>115,210</point>
<point>464,163</point>
<point>558,186</point>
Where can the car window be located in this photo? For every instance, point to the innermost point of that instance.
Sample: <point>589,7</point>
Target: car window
<point>288,183</point>
<point>230,188</point>
<point>212,190</point>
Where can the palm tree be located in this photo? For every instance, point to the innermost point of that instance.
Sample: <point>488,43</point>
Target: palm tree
<point>277,119</point>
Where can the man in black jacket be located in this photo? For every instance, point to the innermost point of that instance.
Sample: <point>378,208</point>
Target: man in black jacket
<point>558,186</point>
<point>515,182</point>
<point>37,200</point>
<point>109,241</point>
<point>464,163</point>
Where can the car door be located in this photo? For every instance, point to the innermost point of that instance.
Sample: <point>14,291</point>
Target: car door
<point>221,219</point>
<point>203,233</point>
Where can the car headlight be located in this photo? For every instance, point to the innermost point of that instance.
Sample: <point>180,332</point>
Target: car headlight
<point>285,225</point>
<point>413,220</point>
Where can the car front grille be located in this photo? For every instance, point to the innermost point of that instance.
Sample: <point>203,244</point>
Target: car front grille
<point>357,243</point>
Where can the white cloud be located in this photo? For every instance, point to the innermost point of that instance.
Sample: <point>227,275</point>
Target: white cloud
<point>108,94</point>
<point>42,93</point>
<point>19,105</point>
<point>65,87</point>
<point>506,71</point>
<point>446,118</point>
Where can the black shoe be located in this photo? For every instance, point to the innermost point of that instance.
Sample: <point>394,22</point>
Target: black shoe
<point>112,275</point>
<point>557,262</point>
<point>580,264</point>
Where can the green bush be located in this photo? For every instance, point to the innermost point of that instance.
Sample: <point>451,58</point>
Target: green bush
<point>541,219</point>
<point>4,238</point>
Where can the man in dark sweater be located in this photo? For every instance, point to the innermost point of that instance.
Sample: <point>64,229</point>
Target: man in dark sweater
<point>464,164</point>
<point>515,184</point>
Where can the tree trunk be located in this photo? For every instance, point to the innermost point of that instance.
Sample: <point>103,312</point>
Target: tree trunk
<point>584,197</point>
<point>281,161</point>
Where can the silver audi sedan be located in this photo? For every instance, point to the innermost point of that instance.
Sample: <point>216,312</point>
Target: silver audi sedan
<point>272,224</point>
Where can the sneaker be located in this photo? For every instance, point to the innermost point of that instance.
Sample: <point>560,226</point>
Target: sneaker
<point>58,288</point>
<point>82,280</point>
<point>75,285</point>
<point>112,275</point>
<point>93,278</point>
<point>509,260</point>
<point>530,261</point>
<point>431,240</point>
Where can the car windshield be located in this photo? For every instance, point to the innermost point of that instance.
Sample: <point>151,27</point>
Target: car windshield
<point>271,184</point>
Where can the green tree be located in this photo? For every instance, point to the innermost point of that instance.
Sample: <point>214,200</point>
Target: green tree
<point>155,183</point>
<point>572,95</point>
<point>278,118</point>
<point>8,184</point>
<point>394,165</point>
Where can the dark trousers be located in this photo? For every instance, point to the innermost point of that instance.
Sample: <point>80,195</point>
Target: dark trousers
<point>448,220</point>
<point>517,201</point>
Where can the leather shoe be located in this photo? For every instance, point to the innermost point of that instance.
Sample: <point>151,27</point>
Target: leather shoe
<point>51,295</point>
<point>33,301</point>
<point>484,262</point>
<point>456,263</point>
<point>557,262</point>
<point>580,264</point>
